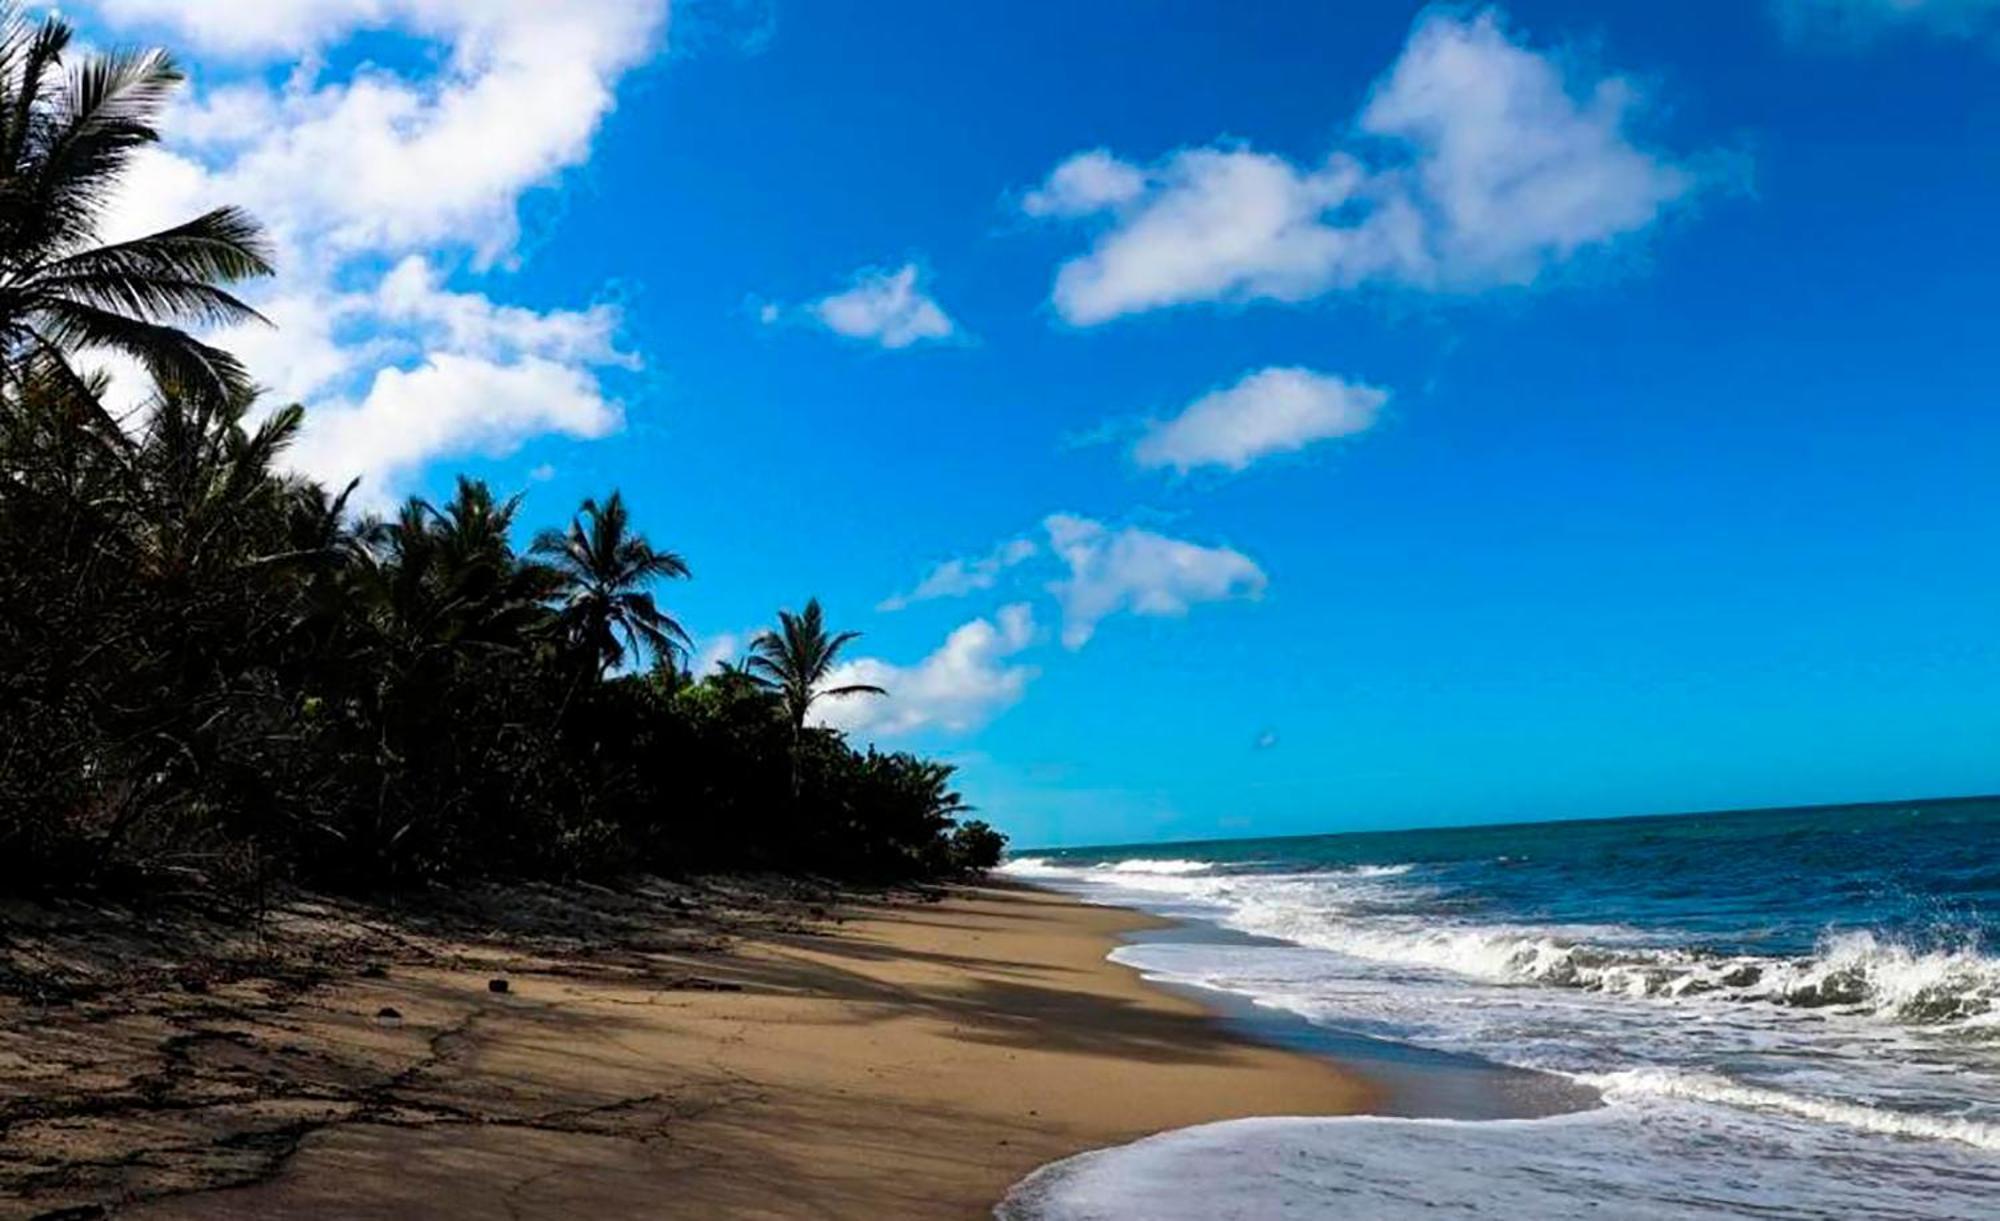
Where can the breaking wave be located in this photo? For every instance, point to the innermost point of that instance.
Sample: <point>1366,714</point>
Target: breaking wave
<point>1851,972</point>
<point>1639,1083</point>
<point>1366,912</point>
<point>1792,1013</point>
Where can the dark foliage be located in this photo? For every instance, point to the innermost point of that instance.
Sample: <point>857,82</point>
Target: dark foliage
<point>212,673</point>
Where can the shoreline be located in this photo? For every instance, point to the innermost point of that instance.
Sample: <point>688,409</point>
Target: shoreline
<point>1411,1081</point>
<point>880,1059</point>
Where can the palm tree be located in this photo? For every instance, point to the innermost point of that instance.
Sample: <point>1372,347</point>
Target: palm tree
<point>501,598</point>
<point>604,567</point>
<point>67,136</point>
<point>203,484</point>
<point>794,664</point>
<point>795,661</point>
<point>473,525</point>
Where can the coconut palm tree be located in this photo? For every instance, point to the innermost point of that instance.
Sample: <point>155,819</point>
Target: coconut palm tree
<point>795,662</point>
<point>68,132</point>
<point>473,525</point>
<point>501,598</point>
<point>203,486</point>
<point>604,568</point>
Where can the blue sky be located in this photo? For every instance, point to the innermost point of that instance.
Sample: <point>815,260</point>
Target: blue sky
<point>1219,421</point>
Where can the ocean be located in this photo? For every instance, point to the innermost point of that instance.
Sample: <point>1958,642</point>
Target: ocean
<point>1785,1013</point>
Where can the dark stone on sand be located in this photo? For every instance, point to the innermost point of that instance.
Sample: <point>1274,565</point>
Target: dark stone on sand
<point>374,970</point>
<point>496,985</point>
<point>388,1014</point>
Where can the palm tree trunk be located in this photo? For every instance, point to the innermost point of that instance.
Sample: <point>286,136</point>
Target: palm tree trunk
<point>798,741</point>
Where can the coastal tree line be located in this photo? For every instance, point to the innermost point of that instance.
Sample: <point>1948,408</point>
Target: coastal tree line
<point>214,673</point>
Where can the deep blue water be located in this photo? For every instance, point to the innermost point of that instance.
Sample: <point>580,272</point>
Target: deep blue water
<point>1924,874</point>
<point>1786,1012</point>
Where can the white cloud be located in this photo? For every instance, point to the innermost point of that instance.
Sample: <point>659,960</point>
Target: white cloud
<point>449,406</point>
<point>413,294</point>
<point>411,170</point>
<point>1270,411</point>
<point>886,307</point>
<point>972,676</point>
<point>1508,167</point>
<point>321,337</point>
<point>1088,182</point>
<point>1136,570</point>
<point>267,27</point>
<point>379,161</point>
<point>484,361</point>
<point>1221,224</point>
<point>957,577</point>
<point>961,686</point>
<point>1859,20</point>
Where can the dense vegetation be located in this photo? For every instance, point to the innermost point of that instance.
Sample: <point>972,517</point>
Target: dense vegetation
<point>212,672</point>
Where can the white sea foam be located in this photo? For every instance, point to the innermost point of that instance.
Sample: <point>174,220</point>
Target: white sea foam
<point>1855,972</point>
<point>1376,913</point>
<point>1672,1159</point>
<point>1638,1083</point>
<point>1166,867</point>
<point>1856,1080</point>
<point>1377,871</point>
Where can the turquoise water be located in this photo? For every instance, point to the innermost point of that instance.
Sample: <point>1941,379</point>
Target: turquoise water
<point>1803,1003</point>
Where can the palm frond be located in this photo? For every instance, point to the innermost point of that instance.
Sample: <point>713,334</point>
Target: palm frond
<point>853,689</point>
<point>26,55</point>
<point>179,362</point>
<point>162,271</point>
<point>105,114</point>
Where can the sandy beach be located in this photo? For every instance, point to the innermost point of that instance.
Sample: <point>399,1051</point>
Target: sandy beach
<point>908,1059</point>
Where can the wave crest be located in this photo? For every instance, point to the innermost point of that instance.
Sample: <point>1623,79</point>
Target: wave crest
<point>1169,867</point>
<point>1633,1083</point>
<point>1852,972</point>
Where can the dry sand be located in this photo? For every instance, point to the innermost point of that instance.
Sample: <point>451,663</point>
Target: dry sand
<point>888,1060</point>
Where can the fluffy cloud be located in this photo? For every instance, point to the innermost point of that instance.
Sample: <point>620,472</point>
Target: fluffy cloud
<point>1088,182</point>
<point>411,171</point>
<point>485,361</point>
<point>885,307</point>
<point>412,294</point>
<point>1507,167</point>
<point>272,27</point>
<point>380,161</point>
<point>1858,20</point>
<point>964,684</point>
<point>974,674</point>
<point>1136,570</point>
<point>450,405</point>
<point>1270,411</point>
<point>954,578</point>
<point>1105,571</point>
